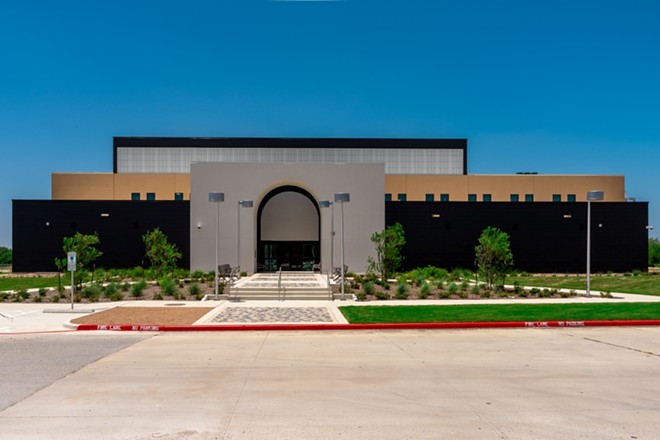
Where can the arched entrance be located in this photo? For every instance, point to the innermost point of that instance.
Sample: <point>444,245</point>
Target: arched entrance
<point>288,230</point>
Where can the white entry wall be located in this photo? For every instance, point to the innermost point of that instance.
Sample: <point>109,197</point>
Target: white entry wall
<point>363,215</point>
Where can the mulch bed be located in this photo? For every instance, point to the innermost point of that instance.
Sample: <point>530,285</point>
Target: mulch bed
<point>169,315</point>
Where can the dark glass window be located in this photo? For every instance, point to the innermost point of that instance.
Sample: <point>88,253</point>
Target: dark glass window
<point>515,198</point>
<point>444,197</point>
<point>430,198</point>
<point>135,196</point>
<point>472,197</point>
<point>178,196</point>
<point>570,198</point>
<point>529,197</point>
<point>556,197</point>
<point>151,196</point>
<point>487,198</point>
<point>401,197</point>
<point>388,197</point>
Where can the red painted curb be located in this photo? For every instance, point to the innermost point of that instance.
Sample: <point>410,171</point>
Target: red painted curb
<point>398,326</point>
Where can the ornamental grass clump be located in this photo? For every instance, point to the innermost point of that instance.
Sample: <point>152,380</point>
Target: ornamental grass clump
<point>402,290</point>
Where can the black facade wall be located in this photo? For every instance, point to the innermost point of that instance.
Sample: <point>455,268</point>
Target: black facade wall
<point>542,238</point>
<point>545,237</point>
<point>40,225</point>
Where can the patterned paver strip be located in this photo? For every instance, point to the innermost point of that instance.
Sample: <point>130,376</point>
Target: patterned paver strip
<point>272,314</point>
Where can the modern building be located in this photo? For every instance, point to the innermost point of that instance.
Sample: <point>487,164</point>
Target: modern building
<point>270,216</point>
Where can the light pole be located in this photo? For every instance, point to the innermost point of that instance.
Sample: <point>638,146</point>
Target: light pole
<point>591,196</point>
<point>342,198</point>
<point>326,204</point>
<point>241,204</point>
<point>217,198</point>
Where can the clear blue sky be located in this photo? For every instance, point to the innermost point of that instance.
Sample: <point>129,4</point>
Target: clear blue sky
<point>560,86</point>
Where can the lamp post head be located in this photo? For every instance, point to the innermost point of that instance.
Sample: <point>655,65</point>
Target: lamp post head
<point>246,203</point>
<point>325,203</point>
<point>342,197</point>
<point>216,197</point>
<point>595,195</point>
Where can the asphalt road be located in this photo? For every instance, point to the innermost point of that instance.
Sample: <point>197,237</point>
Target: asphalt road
<point>585,383</point>
<point>29,363</point>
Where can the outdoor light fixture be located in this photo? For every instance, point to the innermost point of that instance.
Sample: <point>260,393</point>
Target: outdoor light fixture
<point>217,198</point>
<point>342,198</point>
<point>241,204</point>
<point>591,196</point>
<point>329,204</point>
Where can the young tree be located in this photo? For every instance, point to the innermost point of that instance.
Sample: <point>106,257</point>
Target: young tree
<point>84,245</point>
<point>654,252</point>
<point>5,255</point>
<point>493,255</point>
<point>388,244</point>
<point>162,254</point>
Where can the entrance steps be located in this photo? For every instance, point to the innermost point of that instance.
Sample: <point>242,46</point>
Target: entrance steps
<point>285,286</point>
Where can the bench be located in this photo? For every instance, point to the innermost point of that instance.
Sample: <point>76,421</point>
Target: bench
<point>336,272</point>
<point>227,273</point>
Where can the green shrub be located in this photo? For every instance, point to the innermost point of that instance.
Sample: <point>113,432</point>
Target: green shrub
<point>43,291</point>
<point>402,290</point>
<point>516,287</point>
<point>444,294</point>
<point>92,292</point>
<point>168,287</point>
<point>534,291</point>
<point>452,288</point>
<point>545,293</point>
<point>475,289</point>
<point>158,296</point>
<point>55,298</point>
<point>137,289</point>
<point>368,288</point>
<point>3,296</point>
<point>194,289</point>
<point>110,289</point>
<point>116,296</point>
<point>125,287</point>
<point>464,285</point>
<point>382,295</point>
<point>23,294</point>
<point>424,290</point>
<point>361,296</point>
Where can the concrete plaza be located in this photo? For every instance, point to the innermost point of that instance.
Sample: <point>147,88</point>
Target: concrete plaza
<point>586,383</point>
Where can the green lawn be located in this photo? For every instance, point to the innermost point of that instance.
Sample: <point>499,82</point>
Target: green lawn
<point>641,284</point>
<point>501,312</point>
<point>7,283</point>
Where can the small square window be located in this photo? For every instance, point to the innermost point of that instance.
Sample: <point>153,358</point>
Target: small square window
<point>135,196</point>
<point>178,196</point>
<point>388,197</point>
<point>401,197</point>
<point>529,197</point>
<point>515,198</point>
<point>429,198</point>
<point>472,197</point>
<point>487,198</point>
<point>556,197</point>
<point>444,197</point>
<point>570,198</point>
<point>151,196</point>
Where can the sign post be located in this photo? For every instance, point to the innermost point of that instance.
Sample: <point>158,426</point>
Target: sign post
<point>71,266</point>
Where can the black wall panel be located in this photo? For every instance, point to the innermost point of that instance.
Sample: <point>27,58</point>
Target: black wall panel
<point>545,236</point>
<point>40,225</point>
